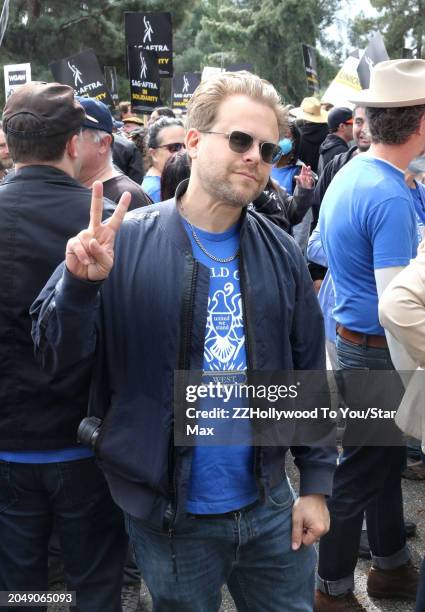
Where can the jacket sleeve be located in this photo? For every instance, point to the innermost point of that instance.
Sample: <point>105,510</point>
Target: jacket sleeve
<point>402,307</point>
<point>135,166</point>
<point>316,462</point>
<point>299,204</point>
<point>270,204</point>
<point>65,321</point>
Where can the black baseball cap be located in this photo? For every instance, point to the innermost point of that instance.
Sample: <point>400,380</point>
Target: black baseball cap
<point>340,114</point>
<point>52,105</point>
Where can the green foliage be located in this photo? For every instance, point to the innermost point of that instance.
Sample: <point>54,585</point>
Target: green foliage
<point>266,33</point>
<point>402,23</point>
<point>41,31</point>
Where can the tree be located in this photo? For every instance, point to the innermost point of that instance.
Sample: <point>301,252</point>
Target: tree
<point>41,31</point>
<point>402,23</point>
<point>267,34</point>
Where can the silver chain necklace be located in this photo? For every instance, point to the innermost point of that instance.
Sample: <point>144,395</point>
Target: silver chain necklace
<point>201,246</point>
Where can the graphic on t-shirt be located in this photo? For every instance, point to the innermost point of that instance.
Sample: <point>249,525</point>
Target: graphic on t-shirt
<point>224,340</point>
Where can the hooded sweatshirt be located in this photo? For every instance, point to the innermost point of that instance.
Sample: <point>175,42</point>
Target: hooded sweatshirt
<point>331,146</point>
<point>312,136</point>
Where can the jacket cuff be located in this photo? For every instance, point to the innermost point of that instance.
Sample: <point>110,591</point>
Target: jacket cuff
<point>303,191</point>
<point>73,293</point>
<point>316,480</point>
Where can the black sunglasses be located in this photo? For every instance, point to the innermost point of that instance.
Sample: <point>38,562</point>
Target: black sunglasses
<point>239,142</point>
<point>173,147</point>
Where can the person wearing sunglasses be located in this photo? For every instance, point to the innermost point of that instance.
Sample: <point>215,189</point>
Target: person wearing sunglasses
<point>165,137</point>
<point>204,284</point>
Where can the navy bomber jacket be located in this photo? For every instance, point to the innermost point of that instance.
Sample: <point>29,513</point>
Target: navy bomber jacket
<point>148,320</point>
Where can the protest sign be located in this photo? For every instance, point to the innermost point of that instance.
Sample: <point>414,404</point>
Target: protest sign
<point>310,63</point>
<point>375,53</point>
<point>83,73</point>
<point>345,84</point>
<point>152,32</point>
<point>183,88</point>
<point>111,81</point>
<point>144,78</point>
<point>15,75</point>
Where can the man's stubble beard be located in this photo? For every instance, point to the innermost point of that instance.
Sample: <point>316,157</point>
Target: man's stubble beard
<point>7,163</point>
<point>221,189</point>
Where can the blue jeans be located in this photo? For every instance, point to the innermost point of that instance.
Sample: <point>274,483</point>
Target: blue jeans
<point>249,551</point>
<point>367,480</point>
<point>420,595</point>
<point>74,495</point>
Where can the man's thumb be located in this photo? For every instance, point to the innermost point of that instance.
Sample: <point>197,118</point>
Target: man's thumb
<point>297,533</point>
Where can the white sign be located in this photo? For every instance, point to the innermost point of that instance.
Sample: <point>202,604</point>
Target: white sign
<point>15,75</point>
<point>345,84</point>
<point>210,71</point>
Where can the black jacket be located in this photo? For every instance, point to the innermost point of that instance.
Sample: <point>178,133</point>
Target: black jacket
<point>333,145</point>
<point>148,320</point>
<point>127,157</point>
<point>40,209</point>
<point>283,209</point>
<point>312,136</point>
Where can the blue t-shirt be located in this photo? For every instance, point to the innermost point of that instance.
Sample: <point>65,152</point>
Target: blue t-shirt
<point>285,177</point>
<point>152,186</point>
<point>222,477</point>
<point>367,222</point>
<point>47,456</point>
<point>418,197</point>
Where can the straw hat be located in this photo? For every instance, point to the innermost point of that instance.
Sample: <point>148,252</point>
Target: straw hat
<point>310,110</point>
<point>394,83</point>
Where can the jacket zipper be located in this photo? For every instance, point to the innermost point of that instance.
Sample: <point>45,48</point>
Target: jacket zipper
<point>183,365</point>
<point>249,360</point>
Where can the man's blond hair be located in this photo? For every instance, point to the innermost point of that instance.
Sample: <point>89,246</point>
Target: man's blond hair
<point>203,106</point>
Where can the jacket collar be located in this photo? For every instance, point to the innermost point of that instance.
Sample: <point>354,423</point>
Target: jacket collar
<point>43,172</point>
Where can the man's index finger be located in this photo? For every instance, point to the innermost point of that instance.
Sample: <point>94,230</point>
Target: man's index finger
<point>119,213</point>
<point>96,208</point>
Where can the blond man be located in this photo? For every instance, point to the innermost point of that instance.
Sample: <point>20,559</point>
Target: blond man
<point>199,283</point>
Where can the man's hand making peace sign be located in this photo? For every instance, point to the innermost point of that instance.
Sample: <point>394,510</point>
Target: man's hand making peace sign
<point>90,254</point>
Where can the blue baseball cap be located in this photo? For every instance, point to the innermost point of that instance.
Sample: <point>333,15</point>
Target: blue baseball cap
<point>98,115</point>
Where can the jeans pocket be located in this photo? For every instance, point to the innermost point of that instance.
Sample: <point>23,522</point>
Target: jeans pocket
<point>8,494</point>
<point>81,481</point>
<point>281,496</point>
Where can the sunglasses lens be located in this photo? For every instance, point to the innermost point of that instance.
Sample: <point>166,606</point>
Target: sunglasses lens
<point>240,142</point>
<point>270,152</point>
<point>175,147</point>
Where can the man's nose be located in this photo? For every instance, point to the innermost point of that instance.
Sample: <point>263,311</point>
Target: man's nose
<point>253,154</point>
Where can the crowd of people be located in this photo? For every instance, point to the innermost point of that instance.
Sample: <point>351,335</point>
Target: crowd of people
<point>243,237</point>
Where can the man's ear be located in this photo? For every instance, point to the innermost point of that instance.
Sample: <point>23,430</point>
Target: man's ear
<point>72,146</point>
<point>192,140</point>
<point>105,143</point>
<point>152,153</point>
<point>421,127</point>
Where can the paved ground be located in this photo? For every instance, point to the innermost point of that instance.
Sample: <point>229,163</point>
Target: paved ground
<point>414,496</point>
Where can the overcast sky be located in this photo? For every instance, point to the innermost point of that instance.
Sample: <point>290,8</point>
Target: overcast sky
<point>350,8</point>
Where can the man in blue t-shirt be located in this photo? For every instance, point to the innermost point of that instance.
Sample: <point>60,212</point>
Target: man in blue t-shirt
<point>368,228</point>
<point>220,289</point>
